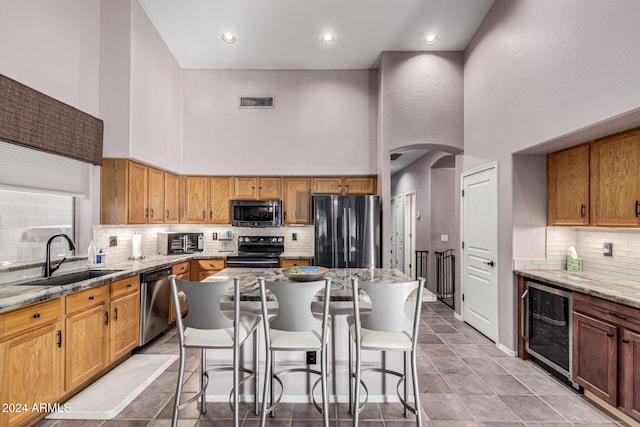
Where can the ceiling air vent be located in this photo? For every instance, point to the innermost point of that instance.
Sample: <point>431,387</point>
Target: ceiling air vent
<point>257,102</point>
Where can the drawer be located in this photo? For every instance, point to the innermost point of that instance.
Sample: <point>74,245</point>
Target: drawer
<point>87,298</point>
<point>180,268</point>
<point>125,286</point>
<point>609,311</point>
<point>31,317</point>
<point>211,264</point>
<point>288,263</point>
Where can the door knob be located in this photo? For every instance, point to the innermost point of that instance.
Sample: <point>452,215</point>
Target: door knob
<point>489,263</point>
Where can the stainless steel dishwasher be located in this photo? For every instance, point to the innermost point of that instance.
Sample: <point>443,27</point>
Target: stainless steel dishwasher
<point>155,294</point>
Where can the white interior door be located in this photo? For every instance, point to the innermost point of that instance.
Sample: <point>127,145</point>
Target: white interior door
<point>397,257</point>
<point>409,232</point>
<point>479,281</point>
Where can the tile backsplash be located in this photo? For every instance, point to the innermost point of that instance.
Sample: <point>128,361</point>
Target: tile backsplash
<point>302,246</point>
<point>589,241</point>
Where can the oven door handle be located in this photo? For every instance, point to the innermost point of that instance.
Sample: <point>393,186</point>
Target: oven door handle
<point>524,303</point>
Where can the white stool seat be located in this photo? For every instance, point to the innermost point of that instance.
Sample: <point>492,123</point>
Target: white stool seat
<point>222,338</point>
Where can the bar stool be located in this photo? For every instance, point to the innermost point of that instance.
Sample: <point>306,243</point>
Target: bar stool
<point>206,326</point>
<point>385,328</point>
<point>295,328</point>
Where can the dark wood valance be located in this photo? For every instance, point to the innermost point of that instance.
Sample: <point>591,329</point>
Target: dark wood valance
<point>33,119</point>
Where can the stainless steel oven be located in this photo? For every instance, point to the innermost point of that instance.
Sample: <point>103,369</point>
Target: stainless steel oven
<point>546,325</point>
<point>257,252</point>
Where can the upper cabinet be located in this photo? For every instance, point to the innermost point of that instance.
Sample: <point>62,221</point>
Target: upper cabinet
<point>257,188</point>
<point>171,198</point>
<point>615,181</point>
<point>568,186</point>
<point>206,200</point>
<point>353,185</point>
<point>131,193</point>
<point>296,203</point>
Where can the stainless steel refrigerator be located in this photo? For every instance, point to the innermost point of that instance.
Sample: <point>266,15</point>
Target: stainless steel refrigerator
<point>347,231</point>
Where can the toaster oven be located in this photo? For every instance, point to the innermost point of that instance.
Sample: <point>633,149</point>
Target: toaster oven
<point>180,243</point>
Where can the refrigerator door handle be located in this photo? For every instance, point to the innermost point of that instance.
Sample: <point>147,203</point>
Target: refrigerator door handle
<point>348,236</point>
<point>345,234</point>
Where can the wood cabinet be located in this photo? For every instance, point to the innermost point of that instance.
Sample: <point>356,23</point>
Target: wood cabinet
<point>87,326</point>
<point>132,193</point>
<point>568,186</point>
<point>615,182</point>
<point>220,200</point>
<point>124,324</point>
<point>206,200</point>
<point>31,359</point>
<point>171,198</point>
<point>296,202</point>
<point>294,262</point>
<point>606,351</point>
<point>183,272</point>
<point>207,267</point>
<point>257,188</point>
<point>347,185</point>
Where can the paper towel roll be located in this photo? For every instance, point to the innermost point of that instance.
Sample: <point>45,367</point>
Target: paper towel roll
<point>136,245</point>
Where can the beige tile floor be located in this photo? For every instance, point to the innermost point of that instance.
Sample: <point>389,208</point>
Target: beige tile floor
<point>465,381</point>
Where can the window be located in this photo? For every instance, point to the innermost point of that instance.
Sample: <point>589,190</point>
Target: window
<point>28,219</point>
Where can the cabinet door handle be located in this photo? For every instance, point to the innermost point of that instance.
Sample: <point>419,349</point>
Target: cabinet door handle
<point>106,317</point>
<point>625,341</point>
<point>115,313</point>
<point>59,343</point>
<point>36,316</point>
<point>204,214</point>
<point>129,285</point>
<point>210,214</point>
<point>167,213</point>
<point>146,212</point>
<point>619,316</point>
<point>91,298</point>
<point>637,204</point>
<point>609,334</point>
<point>583,210</point>
<point>152,213</point>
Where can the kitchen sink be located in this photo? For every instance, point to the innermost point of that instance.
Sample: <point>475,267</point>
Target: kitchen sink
<point>65,279</point>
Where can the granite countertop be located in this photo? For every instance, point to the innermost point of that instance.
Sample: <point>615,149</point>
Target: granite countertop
<point>622,291</point>
<point>19,293</point>
<point>340,279</point>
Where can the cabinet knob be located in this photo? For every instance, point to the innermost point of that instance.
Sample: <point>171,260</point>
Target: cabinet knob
<point>625,341</point>
<point>36,316</point>
<point>91,298</point>
<point>609,334</point>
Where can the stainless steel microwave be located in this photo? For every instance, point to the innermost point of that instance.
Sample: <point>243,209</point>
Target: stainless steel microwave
<point>256,213</point>
<point>180,243</point>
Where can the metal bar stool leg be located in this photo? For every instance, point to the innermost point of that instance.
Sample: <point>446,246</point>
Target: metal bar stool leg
<point>176,403</point>
<point>416,394</point>
<point>256,408</point>
<point>350,374</point>
<point>203,396</point>
<point>404,363</point>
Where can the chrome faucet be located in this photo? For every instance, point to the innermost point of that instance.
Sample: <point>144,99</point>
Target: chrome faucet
<point>48,269</point>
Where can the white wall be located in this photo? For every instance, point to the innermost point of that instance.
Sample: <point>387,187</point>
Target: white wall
<point>322,123</point>
<point>140,88</point>
<point>156,96</point>
<point>535,72</point>
<point>420,106</point>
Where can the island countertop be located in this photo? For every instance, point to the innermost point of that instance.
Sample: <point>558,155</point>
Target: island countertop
<point>340,279</point>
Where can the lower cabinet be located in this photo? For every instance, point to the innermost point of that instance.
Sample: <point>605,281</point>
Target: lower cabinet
<point>206,267</point>
<point>124,326</point>
<point>50,350</point>
<point>87,326</point>
<point>183,272</point>
<point>606,351</point>
<point>31,360</point>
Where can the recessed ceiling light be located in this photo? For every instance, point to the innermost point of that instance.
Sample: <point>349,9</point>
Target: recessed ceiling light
<point>431,39</point>
<point>328,39</point>
<point>228,38</point>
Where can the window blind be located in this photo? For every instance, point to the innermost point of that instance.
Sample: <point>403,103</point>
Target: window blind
<point>28,169</point>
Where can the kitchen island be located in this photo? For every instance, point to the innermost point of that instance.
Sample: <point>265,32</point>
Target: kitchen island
<point>381,389</point>
<point>340,279</point>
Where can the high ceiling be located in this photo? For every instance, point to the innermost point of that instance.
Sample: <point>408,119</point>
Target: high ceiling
<point>285,34</point>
